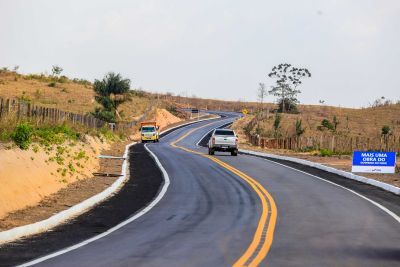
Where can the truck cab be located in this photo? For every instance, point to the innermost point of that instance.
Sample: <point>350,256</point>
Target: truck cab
<point>149,132</point>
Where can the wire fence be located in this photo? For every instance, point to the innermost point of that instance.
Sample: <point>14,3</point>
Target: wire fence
<point>339,144</point>
<point>25,109</point>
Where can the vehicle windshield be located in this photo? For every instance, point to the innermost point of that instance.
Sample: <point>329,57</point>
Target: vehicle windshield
<point>148,129</point>
<point>224,132</point>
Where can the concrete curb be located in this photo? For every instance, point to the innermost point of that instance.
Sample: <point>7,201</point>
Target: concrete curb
<point>58,218</point>
<point>44,225</point>
<point>391,188</point>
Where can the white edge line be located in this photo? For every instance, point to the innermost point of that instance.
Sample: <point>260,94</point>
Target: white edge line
<point>58,218</point>
<point>389,212</point>
<point>312,164</point>
<point>391,188</point>
<point>118,226</point>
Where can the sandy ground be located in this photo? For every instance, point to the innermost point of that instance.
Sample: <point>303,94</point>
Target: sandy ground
<point>26,177</point>
<point>39,191</point>
<point>70,195</point>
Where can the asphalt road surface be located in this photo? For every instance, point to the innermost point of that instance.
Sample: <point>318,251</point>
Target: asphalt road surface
<point>215,214</point>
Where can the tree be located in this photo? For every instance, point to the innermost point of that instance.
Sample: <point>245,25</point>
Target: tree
<point>385,130</point>
<point>326,124</point>
<point>261,93</point>
<point>335,123</point>
<point>56,70</point>
<point>299,128</point>
<point>110,92</point>
<point>288,78</point>
<point>277,123</point>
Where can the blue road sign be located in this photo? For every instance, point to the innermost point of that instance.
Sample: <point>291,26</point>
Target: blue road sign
<point>374,161</point>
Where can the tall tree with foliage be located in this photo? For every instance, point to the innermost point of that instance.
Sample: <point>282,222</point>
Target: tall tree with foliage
<point>110,92</point>
<point>287,79</point>
<point>56,70</point>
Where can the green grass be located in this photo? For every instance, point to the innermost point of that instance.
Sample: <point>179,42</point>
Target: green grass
<point>24,134</point>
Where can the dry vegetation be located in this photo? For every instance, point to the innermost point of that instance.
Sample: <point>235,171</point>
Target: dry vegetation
<point>367,122</point>
<point>69,95</point>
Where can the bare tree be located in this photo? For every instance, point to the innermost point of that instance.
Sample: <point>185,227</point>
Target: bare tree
<point>262,93</point>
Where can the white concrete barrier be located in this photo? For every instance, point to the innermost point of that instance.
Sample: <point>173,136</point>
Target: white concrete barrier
<point>58,218</point>
<point>349,175</point>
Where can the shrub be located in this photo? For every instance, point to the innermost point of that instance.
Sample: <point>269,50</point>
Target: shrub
<point>299,128</point>
<point>104,115</point>
<point>108,134</point>
<point>57,134</point>
<point>63,79</point>
<point>325,152</point>
<point>308,149</point>
<point>385,130</point>
<point>22,135</point>
<point>326,124</point>
<point>52,84</point>
<point>277,121</point>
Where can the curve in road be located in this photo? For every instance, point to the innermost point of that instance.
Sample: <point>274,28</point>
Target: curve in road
<point>210,214</point>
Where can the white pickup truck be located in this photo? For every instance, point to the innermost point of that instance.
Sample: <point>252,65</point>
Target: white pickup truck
<point>223,140</point>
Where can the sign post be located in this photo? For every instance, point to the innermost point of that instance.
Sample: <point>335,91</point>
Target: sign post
<point>374,162</point>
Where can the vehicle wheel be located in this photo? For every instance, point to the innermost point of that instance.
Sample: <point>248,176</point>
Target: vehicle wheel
<point>210,151</point>
<point>234,153</point>
<point>143,141</point>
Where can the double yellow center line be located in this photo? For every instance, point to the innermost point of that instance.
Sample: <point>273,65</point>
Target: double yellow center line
<point>263,237</point>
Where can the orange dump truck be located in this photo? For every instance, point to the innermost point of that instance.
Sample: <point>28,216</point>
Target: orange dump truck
<point>149,131</point>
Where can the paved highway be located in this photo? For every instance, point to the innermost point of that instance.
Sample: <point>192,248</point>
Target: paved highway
<point>243,211</point>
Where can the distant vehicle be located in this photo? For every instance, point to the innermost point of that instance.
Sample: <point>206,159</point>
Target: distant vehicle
<point>149,131</point>
<point>223,140</point>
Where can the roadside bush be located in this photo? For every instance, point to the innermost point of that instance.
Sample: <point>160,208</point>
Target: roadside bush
<point>325,152</point>
<point>104,115</point>
<point>52,84</point>
<point>385,130</point>
<point>172,109</point>
<point>308,149</point>
<point>63,79</point>
<point>326,124</point>
<point>107,134</point>
<point>22,135</point>
<point>57,134</point>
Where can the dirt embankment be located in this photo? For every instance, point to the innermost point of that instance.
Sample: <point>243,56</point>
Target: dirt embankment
<point>163,119</point>
<point>26,177</point>
<point>34,187</point>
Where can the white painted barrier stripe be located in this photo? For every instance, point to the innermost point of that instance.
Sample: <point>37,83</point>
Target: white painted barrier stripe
<point>325,168</point>
<point>118,226</point>
<point>41,226</point>
<point>349,175</point>
<point>389,212</point>
<point>397,218</point>
<point>59,218</point>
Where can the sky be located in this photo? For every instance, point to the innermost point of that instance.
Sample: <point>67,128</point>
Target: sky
<point>212,49</point>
